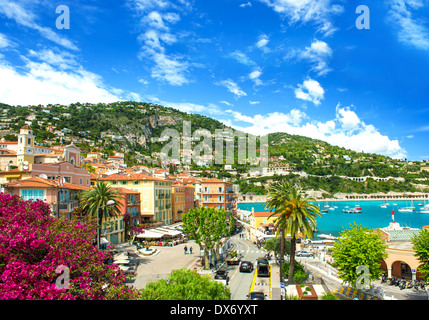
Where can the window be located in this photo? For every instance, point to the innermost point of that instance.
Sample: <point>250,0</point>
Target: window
<point>80,181</point>
<point>27,194</point>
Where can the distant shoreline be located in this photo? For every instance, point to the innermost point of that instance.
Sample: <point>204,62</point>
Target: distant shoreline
<point>259,200</point>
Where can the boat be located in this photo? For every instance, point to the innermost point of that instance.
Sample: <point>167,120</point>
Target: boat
<point>327,236</point>
<point>425,209</point>
<point>406,209</point>
<point>324,211</point>
<point>383,206</point>
<point>353,210</point>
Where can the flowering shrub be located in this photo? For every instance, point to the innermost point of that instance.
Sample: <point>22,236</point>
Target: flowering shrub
<point>33,244</point>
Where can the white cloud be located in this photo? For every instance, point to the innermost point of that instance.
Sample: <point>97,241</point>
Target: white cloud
<point>411,31</point>
<point>263,42</point>
<point>4,41</point>
<point>254,102</point>
<point>318,53</point>
<point>233,88</point>
<point>310,90</point>
<point>226,102</point>
<point>210,108</point>
<point>243,5</point>
<point>54,81</point>
<point>169,69</point>
<point>157,37</point>
<point>318,12</point>
<point>242,58</point>
<point>346,130</point>
<point>254,76</point>
<point>26,18</point>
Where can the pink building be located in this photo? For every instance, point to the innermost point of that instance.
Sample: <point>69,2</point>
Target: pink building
<point>63,197</point>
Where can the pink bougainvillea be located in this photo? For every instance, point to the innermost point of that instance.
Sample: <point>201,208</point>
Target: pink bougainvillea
<point>33,245</point>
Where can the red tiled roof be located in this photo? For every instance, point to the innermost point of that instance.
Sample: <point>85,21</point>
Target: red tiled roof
<point>132,177</point>
<point>124,190</point>
<point>37,182</point>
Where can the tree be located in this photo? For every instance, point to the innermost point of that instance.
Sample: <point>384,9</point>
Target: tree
<point>273,244</point>
<point>96,202</point>
<point>358,246</point>
<point>295,214</point>
<point>34,245</point>
<point>206,226</point>
<point>421,247</point>
<point>185,284</point>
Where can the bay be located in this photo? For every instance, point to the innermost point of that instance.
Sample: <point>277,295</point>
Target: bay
<point>372,216</point>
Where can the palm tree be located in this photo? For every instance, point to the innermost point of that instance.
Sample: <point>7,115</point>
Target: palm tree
<point>100,199</point>
<point>296,214</point>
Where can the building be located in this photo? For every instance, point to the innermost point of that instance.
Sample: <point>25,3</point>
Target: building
<point>189,198</point>
<point>401,260</point>
<point>178,201</point>
<point>61,163</point>
<point>155,194</point>
<point>217,194</point>
<point>129,203</point>
<point>261,225</point>
<point>63,197</point>
<point>113,228</point>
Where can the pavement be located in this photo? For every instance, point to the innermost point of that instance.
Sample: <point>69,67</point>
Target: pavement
<point>162,262</point>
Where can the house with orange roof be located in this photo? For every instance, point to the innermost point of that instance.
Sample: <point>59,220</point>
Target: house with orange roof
<point>155,194</point>
<point>63,197</point>
<point>62,162</point>
<point>218,194</point>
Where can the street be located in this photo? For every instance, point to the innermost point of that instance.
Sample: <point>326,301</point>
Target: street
<point>240,282</point>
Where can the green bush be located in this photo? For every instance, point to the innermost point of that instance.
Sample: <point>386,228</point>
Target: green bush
<point>299,274</point>
<point>329,296</point>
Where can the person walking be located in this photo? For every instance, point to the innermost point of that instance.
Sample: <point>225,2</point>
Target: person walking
<point>190,250</point>
<point>186,249</point>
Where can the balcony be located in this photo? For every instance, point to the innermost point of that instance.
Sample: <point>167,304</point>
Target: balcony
<point>67,207</point>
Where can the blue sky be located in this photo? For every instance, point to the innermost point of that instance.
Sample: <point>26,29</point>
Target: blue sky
<point>297,66</point>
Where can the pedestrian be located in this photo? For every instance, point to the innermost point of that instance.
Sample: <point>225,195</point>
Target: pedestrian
<point>186,249</point>
<point>190,250</point>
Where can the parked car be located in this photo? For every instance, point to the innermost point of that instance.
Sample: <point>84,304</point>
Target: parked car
<point>246,266</point>
<point>222,276</point>
<point>256,295</point>
<point>263,270</point>
<point>303,253</point>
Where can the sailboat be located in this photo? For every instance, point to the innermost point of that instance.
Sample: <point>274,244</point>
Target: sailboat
<point>425,209</point>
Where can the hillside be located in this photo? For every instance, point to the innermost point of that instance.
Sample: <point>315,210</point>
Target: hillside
<point>134,128</point>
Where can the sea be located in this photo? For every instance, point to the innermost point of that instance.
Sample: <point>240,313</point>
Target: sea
<point>373,215</point>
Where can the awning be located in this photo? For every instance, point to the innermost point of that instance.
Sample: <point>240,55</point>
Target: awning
<point>12,176</point>
<point>150,235</point>
<point>168,231</point>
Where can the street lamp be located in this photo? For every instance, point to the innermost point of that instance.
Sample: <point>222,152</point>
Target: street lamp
<point>100,218</point>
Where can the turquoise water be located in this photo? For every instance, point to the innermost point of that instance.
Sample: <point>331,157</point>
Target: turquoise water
<point>372,216</point>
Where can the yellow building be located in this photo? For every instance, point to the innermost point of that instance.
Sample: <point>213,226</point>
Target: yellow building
<point>259,223</point>
<point>25,152</point>
<point>155,194</point>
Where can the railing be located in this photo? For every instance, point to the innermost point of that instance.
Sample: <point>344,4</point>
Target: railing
<point>68,207</point>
